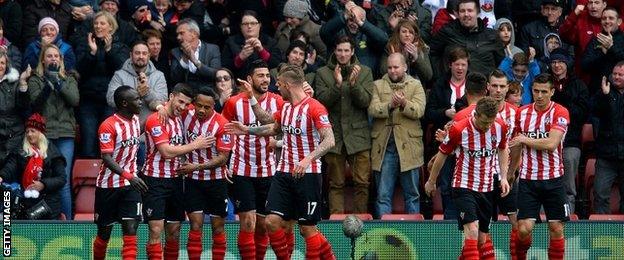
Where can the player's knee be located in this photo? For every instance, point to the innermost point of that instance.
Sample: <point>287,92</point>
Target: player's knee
<point>273,222</point>
<point>247,222</point>
<point>524,229</point>
<point>104,232</point>
<point>471,230</point>
<point>555,229</point>
<point>129,226</point>
<point>307,231</point>
<point>197,226</point>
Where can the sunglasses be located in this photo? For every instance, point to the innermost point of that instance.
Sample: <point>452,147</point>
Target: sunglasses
<point>223,78</point>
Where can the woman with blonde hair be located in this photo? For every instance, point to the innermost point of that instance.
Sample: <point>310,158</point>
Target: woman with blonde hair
<point>54,94</point>
<point>406,40</point>
<point>39,168</point>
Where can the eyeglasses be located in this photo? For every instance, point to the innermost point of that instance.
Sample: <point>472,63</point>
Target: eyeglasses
<point>250,24</point>
<point>223,78</point>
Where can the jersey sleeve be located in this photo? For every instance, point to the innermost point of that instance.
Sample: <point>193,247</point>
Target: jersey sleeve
<point>451,141</point>
<point>229,110</point>
<point>224,140</point>
<point>107,136</point>
<point>320,116</point>
<point>561,120</point>
<point>155,130</point>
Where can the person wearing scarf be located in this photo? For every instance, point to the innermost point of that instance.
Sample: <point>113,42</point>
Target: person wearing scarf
<point>39,167</point>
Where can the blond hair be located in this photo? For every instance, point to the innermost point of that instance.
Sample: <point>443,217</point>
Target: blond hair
<point>42,145</point>
<point>40,69</point>
<point>109,19</point>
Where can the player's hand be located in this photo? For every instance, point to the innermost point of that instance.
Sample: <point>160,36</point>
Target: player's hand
<point>186,168</point>
<point>202,142</point>
<point>511,178</point>
<point>162,115</point>
<point>504,186</point>
<point>245,87</point>
<point>308,89</point>
<point>236,128</point>
<point>301,168</point>
<point>138,184</point>
<point>440,135</point>
<point>272,143</point>
<point>430,188</point>
<point>450,113</point>
<point>518,140</point>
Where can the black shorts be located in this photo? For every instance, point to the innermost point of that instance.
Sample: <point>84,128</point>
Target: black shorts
<point>473,206</point>
<point>114,204</point>
<point>250,193</point>
<point>207,196</point>
<point>296,199</point>
<point>504,205</point>
<point>533,194</point>
<point>164,199</point>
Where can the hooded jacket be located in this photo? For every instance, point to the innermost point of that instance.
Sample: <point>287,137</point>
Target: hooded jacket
<point>128,76</point>
<point>544,59</point>
<point>347,105</point>
<point>509,52</point>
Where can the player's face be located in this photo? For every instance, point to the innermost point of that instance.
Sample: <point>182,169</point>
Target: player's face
<point>204,106</point>
<point>282,86</point>
<point>134,102</point>
<point>483,122</point>
<point>260,80</point>
<point>32,136</point>
<point>497,87</point>
<point>542,94</point>
<point>179,102</point>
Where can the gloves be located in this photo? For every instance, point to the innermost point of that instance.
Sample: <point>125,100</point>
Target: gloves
<point>52,75</point>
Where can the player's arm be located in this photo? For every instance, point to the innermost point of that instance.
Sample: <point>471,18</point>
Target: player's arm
<point>327,142</point>
<point>549,143</point>
<point>262,115</point>
<point>169,151</point>
<point>217,161</point>
<point>515,153</point>
<point>135,182</point>
<point>237,128</point>
<point>430,185</point>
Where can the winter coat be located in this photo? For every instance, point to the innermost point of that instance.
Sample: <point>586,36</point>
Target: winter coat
<point>283,32</point>
<point>40,9</point>
<point>599,64</point>
<point>13,104</point>
<point>512,49</point>
<point>347,106</point>
<point>369,40</point>
<point>507,67</point>
<point>31,55</point>
<point>438,101</point>
<point>56,106</point>
<point>97,70</point>
<point>128,76</point>
<point>15,55</point>
<point>573,95</point>
<point>608,109</point>
<point>533,35</point>
<point>419,69</point>
<point>11,14</point>
<point>483,44</point>
<point>403,124</point>
<point>209,56</point>
<point>442,18</point>
<point>52,177</point>
<point>233,46</point>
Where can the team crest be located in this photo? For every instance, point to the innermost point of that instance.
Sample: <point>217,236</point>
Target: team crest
<point>324,119</point>
<point>562,121</point>
<point>487,6</point>
<point>298,118</point>
<point>105,137</point>
<point>156,131</point>
<point>547,120</point>
<point>149,212</point>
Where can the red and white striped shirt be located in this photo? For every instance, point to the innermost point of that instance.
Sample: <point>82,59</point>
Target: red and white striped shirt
<point>251,156</point>
<point>213,126</point>
<point>300,124</point>
<point>155,164</point>
<point>542,165</point>
<point>120,137</point>
<point>457,91</point>
<point>477,153</point>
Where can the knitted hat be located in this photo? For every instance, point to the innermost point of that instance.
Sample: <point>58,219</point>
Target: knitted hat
<point>36,121</point>
<point>560,54</point>
<point>47,21</point>
<point>114,1</point>
<point>134,5</point>
<point>296,9</point>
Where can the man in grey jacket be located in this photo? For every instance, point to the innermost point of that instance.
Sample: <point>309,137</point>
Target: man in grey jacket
<point>139,72</point>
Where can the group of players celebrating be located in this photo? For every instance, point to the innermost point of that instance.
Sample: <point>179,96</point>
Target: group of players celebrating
<point>491,140</point>
<point>186,172</point>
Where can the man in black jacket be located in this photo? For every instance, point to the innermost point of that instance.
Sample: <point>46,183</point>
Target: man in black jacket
<point>11,15</point>
<point>533,33</point>
<point>608,104</point>
<point>468,31</point>
<point>605,49</point>
<point>571,93</point>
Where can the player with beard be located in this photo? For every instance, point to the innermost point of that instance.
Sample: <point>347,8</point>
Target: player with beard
<point>206,188</point>
<point>253,159</point>
<point>164,199</point>
<point>117,197</point>
<point>295,188</point>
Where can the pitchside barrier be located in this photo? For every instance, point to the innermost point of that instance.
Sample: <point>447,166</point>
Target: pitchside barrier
<point>383,239</point>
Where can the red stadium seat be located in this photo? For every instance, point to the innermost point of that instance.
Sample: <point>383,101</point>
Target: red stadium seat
<point>85,172</point>
<point>84,203</point>
<point>416,217</point>
<point>398,202</point>
<point>363,217</point>
<point>587,138</point>
<point>606,217</point>
<point>590,170</point>
<point>438,217</point>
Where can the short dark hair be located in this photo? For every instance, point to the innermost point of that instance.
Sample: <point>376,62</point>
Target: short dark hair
<point>476,84</point>
<point>297,44</point>
<point>458,53</point>
<point>611,8</point>
<point>295,34</point>
<point>256,64</point>
<point>497,74</point>
<point>251,13</point>
<point>207,92</point>
<point>544,78</point>
<point>183,88</point>
<point>520,59</point>
<point>139,42</point>
<point>487,106</point>
<point>120,94</point>
<point>151,33</point>
<point>476,2</point>
<point>619,64</point>
<point>345,39</point>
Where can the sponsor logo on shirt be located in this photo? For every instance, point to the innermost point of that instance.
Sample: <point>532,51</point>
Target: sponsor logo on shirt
<point>481,153</point>
<point>537,135</point>
<point>105,137</point>
<point>130,142</point>
<point>225,139</point>
<point>324,119</point>
<point>156,131</point>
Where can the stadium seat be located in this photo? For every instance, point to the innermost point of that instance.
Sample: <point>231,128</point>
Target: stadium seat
<point>363,217</point>
<point>398,202</point>
<point>606,217</point>
<point>438,217</point>
<point>84,203</point>
<point>590,170</point>
<point>587,138</point>
<point>85,172</point>
<point>416,217</point>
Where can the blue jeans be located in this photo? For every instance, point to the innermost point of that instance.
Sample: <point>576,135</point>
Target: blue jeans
<point>444,184</point>
<point>92,114</point>
<point>386,180</point>
<point>66,146</point>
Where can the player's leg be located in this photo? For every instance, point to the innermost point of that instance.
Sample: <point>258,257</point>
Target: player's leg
<point>485,207</point>
<point>216,204</point>
<point>194,242</point>
<point>174,215</point>
<point>308,213</point>
<point>528,211</point>
<point>218,237</point>
<point>279,206</point>
<point>154,214</point>
<point>468,221</point>
<point>130,210</point>
<point>557,212</point>
<point>106,216</point>
<point>508,206</point>
<point>289,229</point>
<point>245,206</point>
